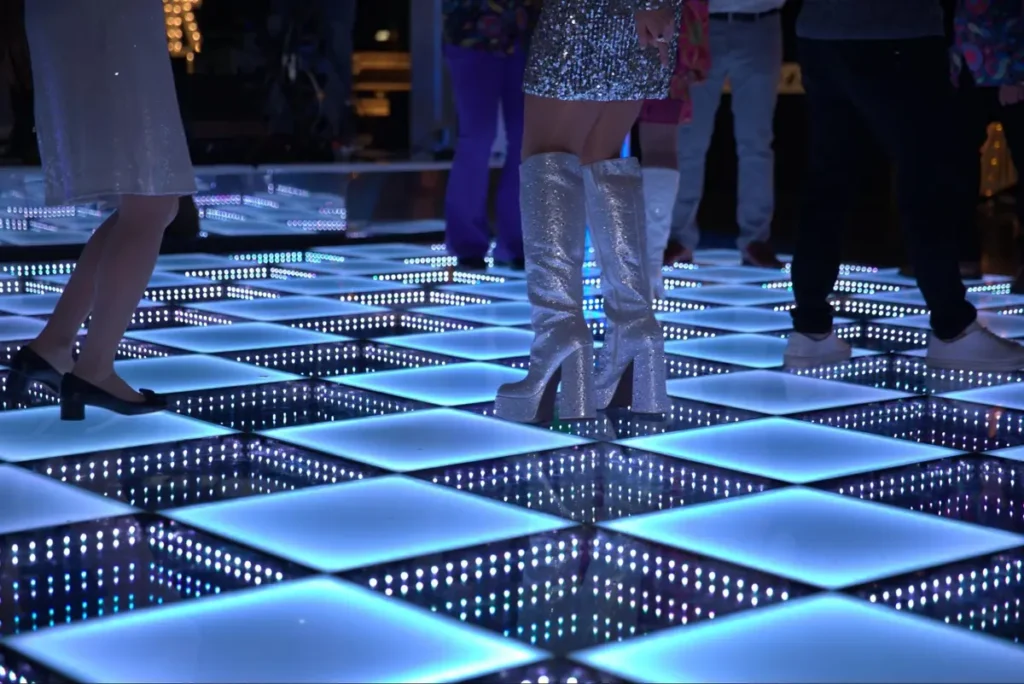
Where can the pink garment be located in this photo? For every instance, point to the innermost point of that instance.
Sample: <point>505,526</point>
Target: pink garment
<point>693,61</point>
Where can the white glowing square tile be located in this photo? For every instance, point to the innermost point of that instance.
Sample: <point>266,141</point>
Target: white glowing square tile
<point>753,351</point>
<point>732,295</point>
<point>481,344</point>
<point>38,433</point>
<point>1009,396</point>
<point>718,257</point>
<point>827,540</point>
<point>197,262</point>
<point>738,274</point>
<point>195,373</point>
<point>327,285</point>
<point>367,267</point>
<point>1004,326</point>
<point>159,279</point>
<point>458,384</point>
<point>309,631</point>
<point>247,228</point>
<point>217,339</point>
<point>29,501</point>
<point>734,319</point>
<point>789,450</point>
<point>499,313</point>
<point>510,289</point>
<point>825,639</point>
<point>417,227</point>
<point>43,304</point>
<point>776,393</point>
<point>1012,453</point>
<point>35,238</point>
<point>418,440</point>
<point>371,521</point>
<point>17,328</point>
<point>381,251</point>
<point>286,308</point>
<point>883,277</point>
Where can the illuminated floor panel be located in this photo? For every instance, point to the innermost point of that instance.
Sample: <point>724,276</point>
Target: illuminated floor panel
<point>789,450</point>
<point>817,538</point>
<point>828,639</point>
<point>314,438</point>
<point>288,633</point>
<point>374,521</point>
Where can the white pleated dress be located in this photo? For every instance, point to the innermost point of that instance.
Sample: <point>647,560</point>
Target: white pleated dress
<point>107,114</point>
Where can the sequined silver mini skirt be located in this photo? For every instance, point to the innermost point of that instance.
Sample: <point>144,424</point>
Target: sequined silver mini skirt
<point>589,50</point>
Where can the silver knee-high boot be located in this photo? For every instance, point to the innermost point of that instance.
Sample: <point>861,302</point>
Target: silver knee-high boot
<point>631,371</point>
<point>554,232</point>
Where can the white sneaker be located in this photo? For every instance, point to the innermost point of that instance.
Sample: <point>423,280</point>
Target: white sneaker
<point>977,349</point>
<point>803,351</point>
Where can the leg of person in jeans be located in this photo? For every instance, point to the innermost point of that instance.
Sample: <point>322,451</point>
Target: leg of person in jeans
<point>833,169</point>
<point>476,77</point>
<point>755,68</point>
<point>340,18</point>
<point>694,140</point>
<point>509,249</point>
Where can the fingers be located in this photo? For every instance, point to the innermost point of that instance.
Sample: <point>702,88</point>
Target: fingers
<point>663,53</point>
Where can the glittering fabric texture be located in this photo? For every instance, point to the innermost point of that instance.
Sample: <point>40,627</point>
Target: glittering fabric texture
<point>633,354</point>
<point>107,114</point>
<point>589,50</point>
<point>554,234</point>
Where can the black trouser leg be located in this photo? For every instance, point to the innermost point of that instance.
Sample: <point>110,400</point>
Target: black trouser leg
<point>833,170</point>
<point>904,93</point>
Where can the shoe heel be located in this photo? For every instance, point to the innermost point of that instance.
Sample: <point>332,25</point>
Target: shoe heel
<point>71,409</point>
<point>576,399</point>
<point>649,384</point>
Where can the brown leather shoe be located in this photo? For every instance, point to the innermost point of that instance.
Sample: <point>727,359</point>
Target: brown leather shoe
<point>675,253</point>
<point>762,255</point>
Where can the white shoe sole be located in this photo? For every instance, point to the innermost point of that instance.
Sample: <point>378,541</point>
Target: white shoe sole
<point>792,361</point>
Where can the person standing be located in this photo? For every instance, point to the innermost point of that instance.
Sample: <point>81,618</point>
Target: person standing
<point>109,131</point>
<point>885,65</point>
<point>988,69</point>
<point>746,50</point>
<point>658,128</point>
<point>485,47</point>
<point>591,66</point>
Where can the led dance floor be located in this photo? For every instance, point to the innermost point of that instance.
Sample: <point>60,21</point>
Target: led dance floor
<point>330,498</point>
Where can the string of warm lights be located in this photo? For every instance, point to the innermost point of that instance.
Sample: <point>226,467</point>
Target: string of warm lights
<point>183,36</point>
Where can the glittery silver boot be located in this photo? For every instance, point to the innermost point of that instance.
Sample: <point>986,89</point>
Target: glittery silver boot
<point>554,232</point>
<point>631,369</point>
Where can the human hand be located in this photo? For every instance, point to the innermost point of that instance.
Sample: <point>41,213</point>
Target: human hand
<point>655,29</point>
<point>1011,94</point>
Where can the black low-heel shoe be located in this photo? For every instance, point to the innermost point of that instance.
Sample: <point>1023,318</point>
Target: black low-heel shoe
<point>76,394</point>
<point>27,367</point>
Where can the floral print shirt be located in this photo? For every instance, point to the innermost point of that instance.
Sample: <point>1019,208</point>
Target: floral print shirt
<point>694,56</point>
<point>988,39</point>
<point>492,25</point>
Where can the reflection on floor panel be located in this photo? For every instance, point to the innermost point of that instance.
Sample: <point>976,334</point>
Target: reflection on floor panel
<point>330,497</point>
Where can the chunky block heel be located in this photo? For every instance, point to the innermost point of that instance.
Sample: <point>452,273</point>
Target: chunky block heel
<point>72,409</point>
<point>575,375</point>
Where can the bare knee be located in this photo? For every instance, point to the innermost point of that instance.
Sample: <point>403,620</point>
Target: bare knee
<point>556,126</point>
<point>149,212</point>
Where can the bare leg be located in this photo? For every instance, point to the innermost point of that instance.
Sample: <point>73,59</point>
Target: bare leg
<point>57,340</point>
<point>125,267</point>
